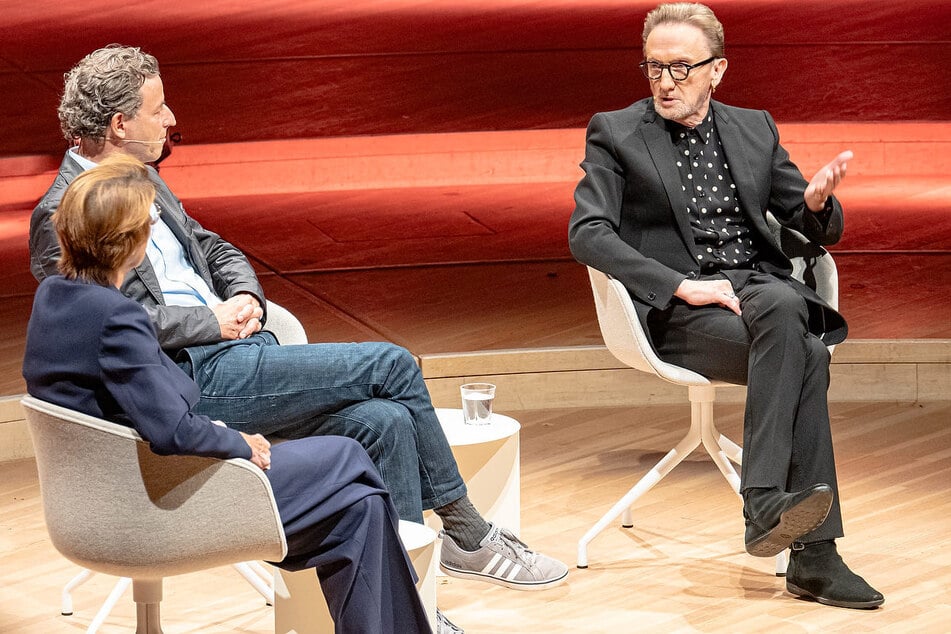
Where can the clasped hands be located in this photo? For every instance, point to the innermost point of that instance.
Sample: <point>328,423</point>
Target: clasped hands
<point>239,317</point>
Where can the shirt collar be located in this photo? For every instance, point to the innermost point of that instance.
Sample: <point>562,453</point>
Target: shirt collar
<point>704,130</point>
<point>81,160</point>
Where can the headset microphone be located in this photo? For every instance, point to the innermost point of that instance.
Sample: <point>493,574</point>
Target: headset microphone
<point>162,142</point>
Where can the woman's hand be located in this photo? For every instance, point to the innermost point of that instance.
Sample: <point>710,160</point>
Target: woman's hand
<point>260,449</point>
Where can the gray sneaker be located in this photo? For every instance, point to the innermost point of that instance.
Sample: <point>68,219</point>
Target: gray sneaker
<point>504,560</point>
<point>445,626</point>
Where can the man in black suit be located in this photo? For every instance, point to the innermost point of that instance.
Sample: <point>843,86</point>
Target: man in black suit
<point>673,205</point>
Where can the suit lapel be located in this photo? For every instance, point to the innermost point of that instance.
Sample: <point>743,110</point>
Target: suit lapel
<point>662,153</point>
<point>741,170</point>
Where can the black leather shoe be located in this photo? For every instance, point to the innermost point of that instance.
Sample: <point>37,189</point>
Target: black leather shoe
<point>817,572</point>
<point>775,519</point>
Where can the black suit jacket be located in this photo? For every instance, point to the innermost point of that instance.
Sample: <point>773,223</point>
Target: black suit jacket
<point>92,350</point>
<point>630,218</point>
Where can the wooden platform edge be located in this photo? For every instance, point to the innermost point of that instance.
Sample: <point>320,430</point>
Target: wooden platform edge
<point>588,376</point>
<point>889,370</point>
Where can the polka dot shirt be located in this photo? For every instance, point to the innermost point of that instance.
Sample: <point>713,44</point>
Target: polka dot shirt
<point>720,232</point>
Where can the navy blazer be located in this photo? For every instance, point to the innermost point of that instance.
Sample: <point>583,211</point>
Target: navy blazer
<point>630,218</point>
<point>93,350</point>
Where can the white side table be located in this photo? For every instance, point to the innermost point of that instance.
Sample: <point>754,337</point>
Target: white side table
<point>299,605</point>
<point>488,460</point>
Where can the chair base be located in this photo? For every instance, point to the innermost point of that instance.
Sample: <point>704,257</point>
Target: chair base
<point>147,619</point>
<point>702,431</point>
<point>252,571</point>
<point>147,594</point>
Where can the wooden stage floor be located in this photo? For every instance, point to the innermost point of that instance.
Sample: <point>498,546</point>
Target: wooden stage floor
<point>680,569</point>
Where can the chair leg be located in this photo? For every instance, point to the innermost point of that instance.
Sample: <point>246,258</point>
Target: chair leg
<point>701,407</point>
<point>729,448</point>
<point>259,568</point>
<point>66,607</point>
<point>66,600</point>
<point>255,574</point>
<point>117,591</point>
<point>666,464</point>
<point>147,594</point>
<point>781,564</point>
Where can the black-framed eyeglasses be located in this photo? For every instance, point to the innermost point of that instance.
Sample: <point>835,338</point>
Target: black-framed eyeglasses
<point>678,70</point>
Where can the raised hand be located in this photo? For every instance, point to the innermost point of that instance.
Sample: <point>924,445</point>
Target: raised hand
<point>825,181</point>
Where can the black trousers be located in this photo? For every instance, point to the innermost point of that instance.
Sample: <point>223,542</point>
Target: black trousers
<point>787,441</point>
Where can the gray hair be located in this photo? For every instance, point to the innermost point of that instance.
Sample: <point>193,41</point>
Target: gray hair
<point>693,13</point>
<point>105,82</point>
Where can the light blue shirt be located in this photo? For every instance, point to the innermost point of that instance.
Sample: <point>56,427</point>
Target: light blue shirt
<point>180,284</point>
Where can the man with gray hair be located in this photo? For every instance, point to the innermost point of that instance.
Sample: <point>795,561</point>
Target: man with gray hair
<point>673,204</point>
<point>209,312</point>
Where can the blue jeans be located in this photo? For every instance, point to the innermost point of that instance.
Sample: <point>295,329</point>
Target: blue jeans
<point>371,392</point>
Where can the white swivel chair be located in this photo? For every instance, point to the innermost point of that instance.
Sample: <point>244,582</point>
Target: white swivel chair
<point>627,341</point>
<point>284,325</point>
<point>113,506</point>
<point>288,331</point>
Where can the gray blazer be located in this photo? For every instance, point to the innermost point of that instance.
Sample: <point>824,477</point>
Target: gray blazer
<point>223,267</point>
<point>630,218</point>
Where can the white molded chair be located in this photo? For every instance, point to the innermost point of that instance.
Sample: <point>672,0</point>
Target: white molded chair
<point>113,506</point>
<point>284,325</point>
<point>626,340</point>
<point>288,331</point>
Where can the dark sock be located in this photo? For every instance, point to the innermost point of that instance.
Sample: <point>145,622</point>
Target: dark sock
<point>463,523</point>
